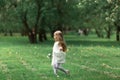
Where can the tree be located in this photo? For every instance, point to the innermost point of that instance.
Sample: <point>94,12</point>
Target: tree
<point>113,11</point>
<point>8,17</point>
<point>31,16</point>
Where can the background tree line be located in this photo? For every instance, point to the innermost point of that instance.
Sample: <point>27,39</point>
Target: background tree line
<point>35,18</point>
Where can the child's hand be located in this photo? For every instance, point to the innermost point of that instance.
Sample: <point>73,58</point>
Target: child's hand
<point>49,55</point>
<point>61,49</point>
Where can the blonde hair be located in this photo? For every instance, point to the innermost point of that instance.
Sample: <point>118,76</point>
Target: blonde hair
<point>61,40</point>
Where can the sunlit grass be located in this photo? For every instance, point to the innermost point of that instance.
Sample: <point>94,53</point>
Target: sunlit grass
<point>88,58</point>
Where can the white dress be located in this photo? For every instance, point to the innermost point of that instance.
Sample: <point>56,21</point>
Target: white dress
<point>57,55</point>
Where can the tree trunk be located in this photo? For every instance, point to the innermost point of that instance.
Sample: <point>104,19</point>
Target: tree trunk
<point>42,35</point>
<point>117,31</point>
<point>117,35</point>
<point>31,33</point>
<point>11,33</point>
<point>99,34</point>
<point>85,31</point>
<point>108,32</point>
<point>32,37</point>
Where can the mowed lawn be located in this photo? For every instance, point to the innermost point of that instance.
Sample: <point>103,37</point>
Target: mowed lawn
<point>88,58</point>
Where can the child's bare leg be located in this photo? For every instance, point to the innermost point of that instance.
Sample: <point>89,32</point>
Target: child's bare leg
<point>55,69</point>
<point>62,69</point>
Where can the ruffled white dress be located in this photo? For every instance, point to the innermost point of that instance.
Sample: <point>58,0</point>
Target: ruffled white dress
<point>57,55</point>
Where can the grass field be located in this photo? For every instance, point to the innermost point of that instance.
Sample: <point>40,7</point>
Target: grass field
<point>88,58</point>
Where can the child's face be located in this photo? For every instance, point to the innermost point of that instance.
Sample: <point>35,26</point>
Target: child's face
<point>56,36</point>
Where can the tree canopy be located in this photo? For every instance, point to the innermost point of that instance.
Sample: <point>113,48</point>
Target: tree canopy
<point>48,15</point>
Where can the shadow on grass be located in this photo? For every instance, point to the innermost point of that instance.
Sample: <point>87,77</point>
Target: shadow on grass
<point>70,41</point>
<point>93,43</point>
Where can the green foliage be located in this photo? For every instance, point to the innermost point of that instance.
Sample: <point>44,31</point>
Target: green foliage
<point>54,12</point>
<point>72,14</point>
<point>2,4</point>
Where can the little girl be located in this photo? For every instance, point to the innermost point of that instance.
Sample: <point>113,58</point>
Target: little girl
<point>58,54</point>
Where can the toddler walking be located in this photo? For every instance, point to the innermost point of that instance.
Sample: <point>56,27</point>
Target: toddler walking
<point>59,53</point>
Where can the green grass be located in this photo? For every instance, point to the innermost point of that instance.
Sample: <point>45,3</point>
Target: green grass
<point>88,58</point>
